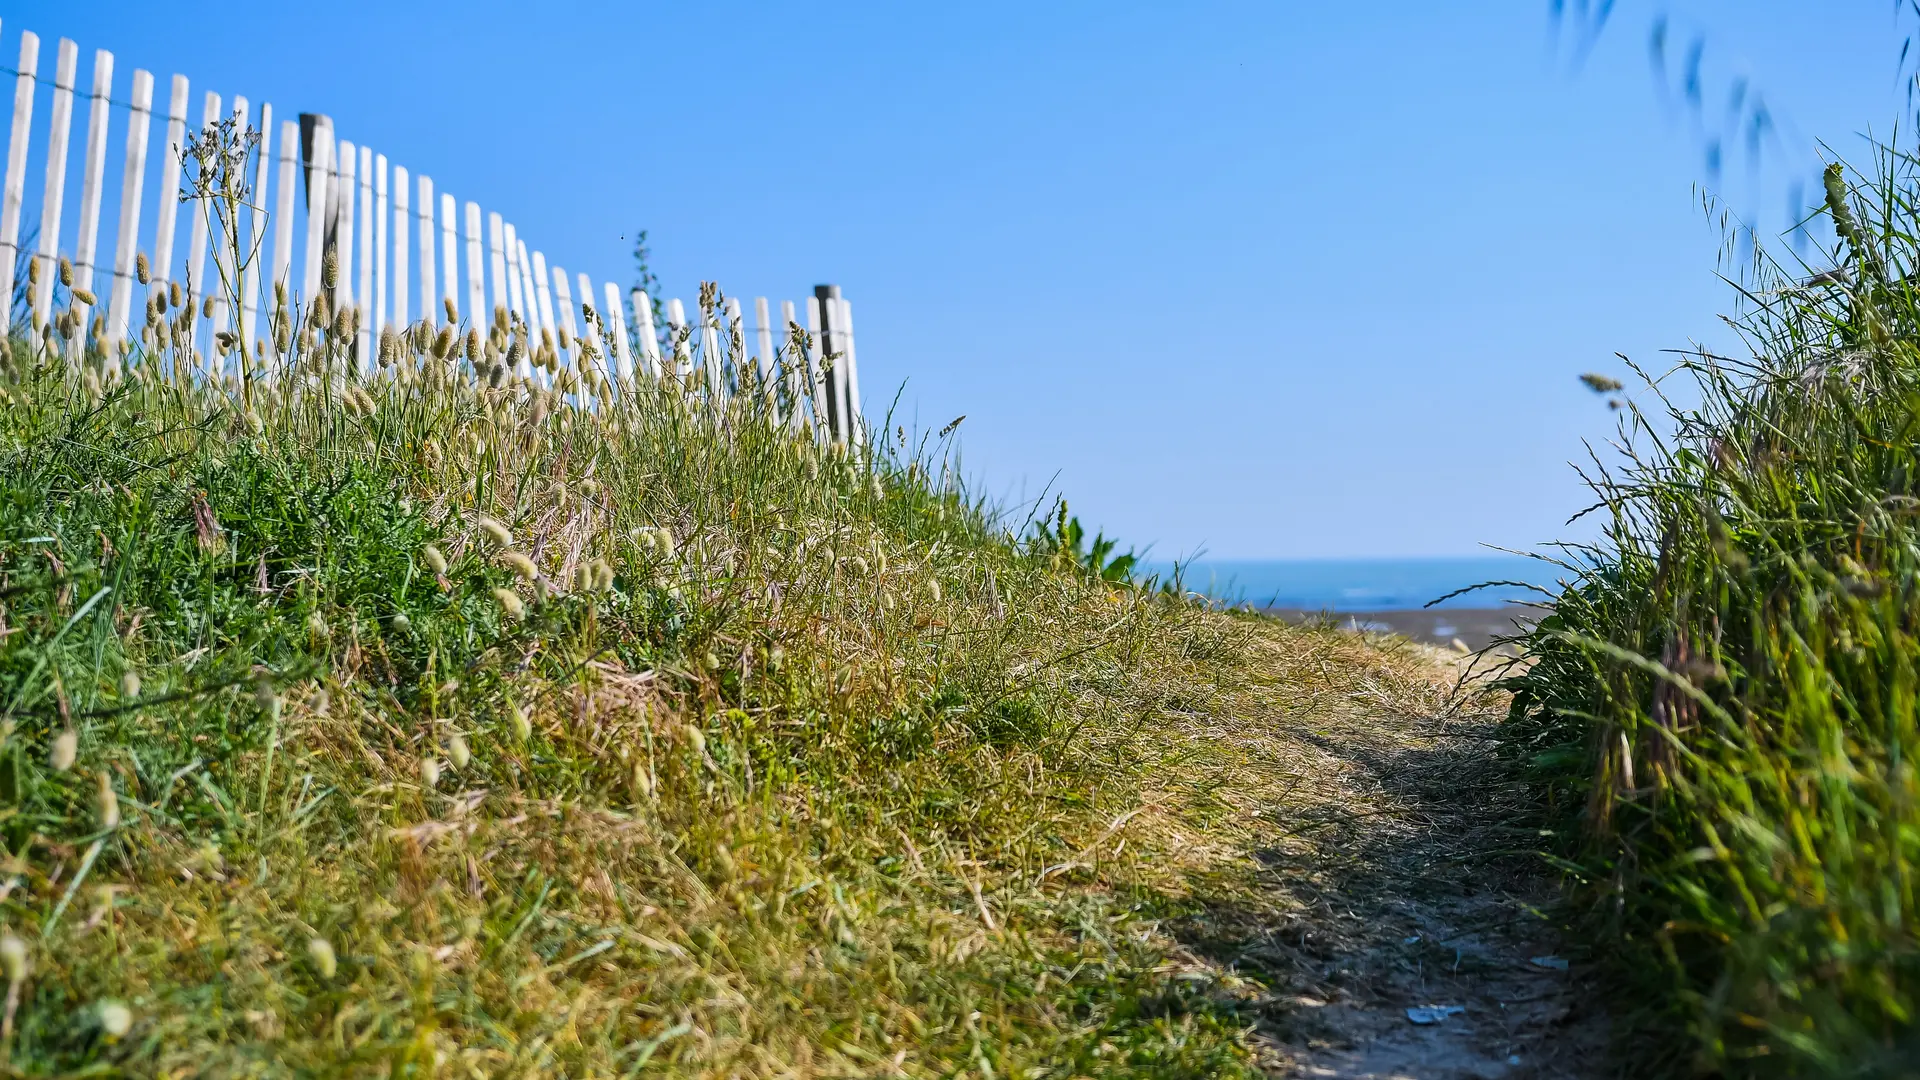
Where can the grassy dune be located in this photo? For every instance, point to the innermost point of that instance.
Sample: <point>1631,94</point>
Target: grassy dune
<point>1724,706</point>
<point>424,723</point>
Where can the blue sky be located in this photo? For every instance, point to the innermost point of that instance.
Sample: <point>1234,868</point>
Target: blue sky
<point>1275,279</point>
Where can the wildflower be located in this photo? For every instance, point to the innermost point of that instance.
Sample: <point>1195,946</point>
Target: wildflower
<point>430,772</point>
<point>320,951</point>
<point>130,684</point>
<point>109,802</point>
<point>458,751</point>
<point>66,747</point>
<point>495,531</point>
<point>510,604</point>
<point>520,564</point>
<point>434,560</point>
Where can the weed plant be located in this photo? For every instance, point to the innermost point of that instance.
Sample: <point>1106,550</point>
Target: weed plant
<point>466,709</point>
<point>1722,706</point>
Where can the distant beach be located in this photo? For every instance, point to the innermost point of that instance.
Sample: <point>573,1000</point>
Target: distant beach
<point>1386,594</point>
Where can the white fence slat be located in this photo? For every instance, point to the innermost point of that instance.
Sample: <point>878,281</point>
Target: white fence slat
<point>283,208</point>
<point>63,75</point>
<point>93,177</point>
<point>196,286</point>
<point>169,190</point>
<point>736,330</point>
<point>449,251</point>
<point>318,199</point>
<point>379,245</point>
<point>402,218</point>
<point>856,430</point>
<point>515,299</point>
<point>563,296</point>
<point>496,262</point>
<point>16,185</point>
<point>532,316</point>
<point>429,285</point>
<point>531,313</point>
<point>649,343</point>
<point>511,295</point>
<point>363,295</point>
<point>257,221</point>
<point>790,366</point>
<point>710,357</point>
<point>587,327</point>
<point>346,176</point>
<point>617,326</point>
<point>764,341</point>
<point>682,344</point>
<point>120,310</point>
<point>477,314</point>
<point>544,295</point>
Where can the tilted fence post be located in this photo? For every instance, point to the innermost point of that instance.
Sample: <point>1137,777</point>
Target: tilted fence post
<point>16,184</point>
<point>50,204</point>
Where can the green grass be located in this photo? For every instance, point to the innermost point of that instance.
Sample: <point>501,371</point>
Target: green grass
<point>786,761</point>
<point>1722,706</point>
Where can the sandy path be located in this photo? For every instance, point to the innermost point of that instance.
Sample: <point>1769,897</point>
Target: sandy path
<point>1397,874</point>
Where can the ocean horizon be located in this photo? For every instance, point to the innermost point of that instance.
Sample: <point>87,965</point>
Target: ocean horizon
<point>1366,584</point>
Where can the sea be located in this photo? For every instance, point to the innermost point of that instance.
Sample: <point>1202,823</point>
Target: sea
<point>1363,585</point>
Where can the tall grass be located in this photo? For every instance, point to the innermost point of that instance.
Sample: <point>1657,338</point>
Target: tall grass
<point>459,709</point>
<point>1722,705</point>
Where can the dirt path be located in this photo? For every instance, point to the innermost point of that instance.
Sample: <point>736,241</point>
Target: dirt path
<point>1395,876</point>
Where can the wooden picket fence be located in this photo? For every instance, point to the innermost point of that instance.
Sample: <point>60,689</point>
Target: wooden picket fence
<point>397,241</point>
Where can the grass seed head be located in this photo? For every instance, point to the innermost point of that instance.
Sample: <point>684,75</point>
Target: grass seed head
<point>66,747</point>
<point>115,1019</point>
<point>458,751</point>
<point>66,273</point>
<point>129,683</point>
<point>520,564</point>
<point>142,270</point>
<point>174,296</point>
<point>434,560</point>
<point>108,801</point>
<point>14,958</point>
<point>330,269</point>
<point>522,724</point>
<point>85,297</point>
<point>320,951</point>
<point>495,531</point>
<point>510,604</point>
<point>430,772</point>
